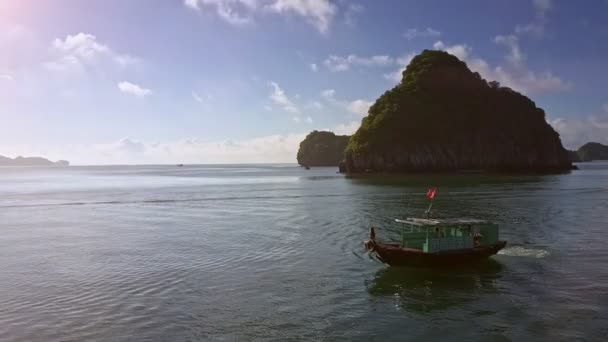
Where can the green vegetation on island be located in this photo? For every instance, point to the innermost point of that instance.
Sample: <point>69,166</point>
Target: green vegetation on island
<point>321,148</point>
<point>444,117</point>
<point>31,161</point>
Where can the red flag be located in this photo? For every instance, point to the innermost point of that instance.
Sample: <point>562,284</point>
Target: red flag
<point>431,193</point>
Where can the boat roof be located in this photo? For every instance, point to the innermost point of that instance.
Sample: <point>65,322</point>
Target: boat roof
<point>446,221</point>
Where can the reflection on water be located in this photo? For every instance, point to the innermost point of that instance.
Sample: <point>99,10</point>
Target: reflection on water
<point>424,290</point>
<point>417,180</point>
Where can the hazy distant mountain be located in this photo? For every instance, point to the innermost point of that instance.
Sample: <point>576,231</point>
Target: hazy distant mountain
<point>593,151</point>
<point>31,161</point>
<point>589,152</point>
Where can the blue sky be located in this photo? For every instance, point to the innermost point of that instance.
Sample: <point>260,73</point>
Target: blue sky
<point>225,81</point>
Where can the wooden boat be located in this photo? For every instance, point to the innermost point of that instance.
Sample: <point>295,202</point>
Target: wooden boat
<point>438,242</point>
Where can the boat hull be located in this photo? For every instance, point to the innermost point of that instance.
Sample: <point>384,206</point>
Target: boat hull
<point>394,255</point>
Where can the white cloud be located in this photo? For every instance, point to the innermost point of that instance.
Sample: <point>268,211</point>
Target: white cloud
<point>235,12</point>
<point>316,105</point>
<point>542,5</point>
<point>319,13</point>
<point>6,77</point>
<point>576,132</point>
<point>279,97</point>
<point>514,75</point>
<point>197,97</point>
<point>352,11</point>
<point>537,27</point>
<point>314,67</point>
<point>403,62</point>
<point>328,93</point>
<point>278,148</point>
<point>133,89</point>
<point>359,106</point>
<point>347,128</point>
<point>81,51</point>
<point>426,33</point>
<point>461,51</point>
<point>193,4</point>
<point>308,119</point>
<point>338,63</point>
<point>515,57</point>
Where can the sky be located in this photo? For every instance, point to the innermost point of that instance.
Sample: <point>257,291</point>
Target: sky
<point>243,81</point>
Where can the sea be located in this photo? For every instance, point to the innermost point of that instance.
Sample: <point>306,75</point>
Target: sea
<point>275,253</point>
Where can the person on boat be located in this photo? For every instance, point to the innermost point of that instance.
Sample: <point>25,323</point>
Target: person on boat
<point>476,239</point>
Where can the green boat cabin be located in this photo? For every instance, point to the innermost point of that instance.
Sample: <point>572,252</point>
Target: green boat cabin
<point>434,235</point>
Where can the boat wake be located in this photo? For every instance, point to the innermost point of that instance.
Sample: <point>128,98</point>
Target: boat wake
<point>519,251</point>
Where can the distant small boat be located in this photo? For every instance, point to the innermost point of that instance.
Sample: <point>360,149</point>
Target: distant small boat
<point>307,167</point>
<point>180,164</point>
<point>436,242</point>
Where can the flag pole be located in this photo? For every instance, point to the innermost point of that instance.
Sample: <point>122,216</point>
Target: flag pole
<point>428,211</point>
<point>430,195</point>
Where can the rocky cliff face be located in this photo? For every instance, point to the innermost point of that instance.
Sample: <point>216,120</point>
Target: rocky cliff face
<point>574,157</point>
<point>321,148</point>
<point>443,117</point>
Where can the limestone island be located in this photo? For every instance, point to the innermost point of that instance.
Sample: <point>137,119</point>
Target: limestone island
<point>592,151</point>
<point>321,148</point>
<point>31,161</point>
<point>443,117</point>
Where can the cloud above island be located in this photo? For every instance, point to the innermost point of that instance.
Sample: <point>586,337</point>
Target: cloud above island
<point>319,13</point>
<point>514,73</point>
<point>133,89</point>
<point>580,129</point>
<point>339,63</point>
<point>281,99</point>
<point>359,106</point>
<point>425,33</point>
<point>81,51</point>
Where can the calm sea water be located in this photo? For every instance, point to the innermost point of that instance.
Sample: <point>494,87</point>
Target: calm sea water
<point>258,252</point>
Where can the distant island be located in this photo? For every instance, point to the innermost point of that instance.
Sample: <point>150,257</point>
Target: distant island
<point>444,117</point>
<point>592,151</point>
<point>321,148</point>
<point>31,161</point>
